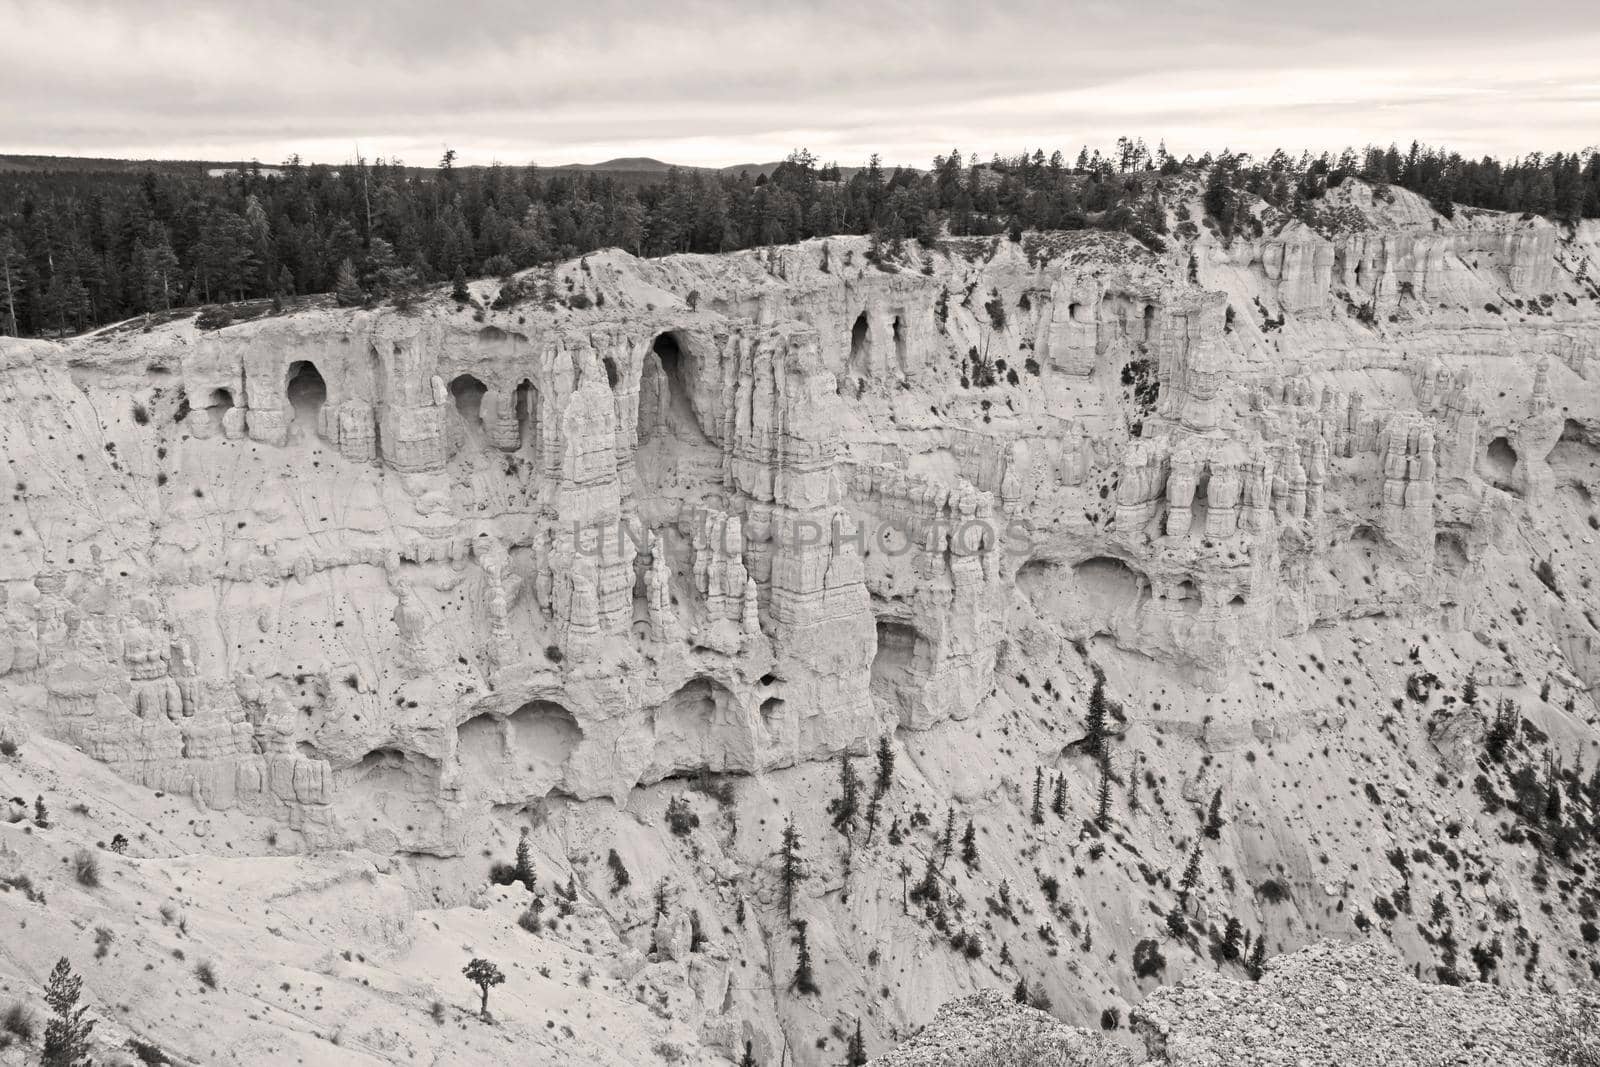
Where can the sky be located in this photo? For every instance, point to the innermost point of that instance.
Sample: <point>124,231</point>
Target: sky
<point>719,82</point>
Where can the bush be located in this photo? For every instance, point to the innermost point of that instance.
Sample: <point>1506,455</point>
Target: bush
<point>502,873</point>
<point>206,973</point>
<point>147,1053</point>
<point>1272,891</point>
<point>680,817</point>
<point>86,868</point>
<point>8,747</point>
<point>18,1021</point>
<point>1148,962</point>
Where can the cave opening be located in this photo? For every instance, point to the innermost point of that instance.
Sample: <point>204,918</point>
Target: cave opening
<point>306,391</point>
<point>1500,462</point>
<point>858,341</point>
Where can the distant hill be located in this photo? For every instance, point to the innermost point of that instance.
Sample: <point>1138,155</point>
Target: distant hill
<point>631,170</point>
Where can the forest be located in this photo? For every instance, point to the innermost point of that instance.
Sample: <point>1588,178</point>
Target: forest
<point>81,248</point>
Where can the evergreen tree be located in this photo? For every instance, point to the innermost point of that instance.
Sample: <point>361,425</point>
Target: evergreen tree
<point>1258,956</point>
<point>485,975</point>
<point>790,870</point>
<point>347,290</point>
<point>1095,725</point>
<point>1231,937</point>
<point>1177,923</point>
<point>749,1057</point>
<point>620,879</point>
<point>524,871</point>
<point>947,840</point>
<point>1102,814</point>
<point>66,1036</point>
<point>1058,800</point>
<point>803,980</point>
<point>1038,796</point>
<point>41,814</point>
<point>885,763</point>
<point>1214,819</point>
<point>1469,689</point>
<point>855,1054</point>
<point>969,847</point>
<point>1502,730</point>
<point>1191,877</point>
<point>844,807</point>
<point>458,290</point>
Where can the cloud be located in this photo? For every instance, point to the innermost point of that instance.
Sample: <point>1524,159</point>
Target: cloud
<point>725,82</point>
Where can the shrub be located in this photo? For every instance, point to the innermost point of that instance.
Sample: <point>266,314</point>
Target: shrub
<point>147,1053</point>
<point>1272,891</point>
<point>680,817</point>
<point>206,973</point>
<point>1148,962</point>
<point>8,747</point>
<point>86,868</point>
<point>1573,1039</point>
<point>18,1021</point>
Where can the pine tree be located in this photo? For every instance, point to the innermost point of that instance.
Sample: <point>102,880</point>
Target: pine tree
<point>928,888</point>
<point>458,290</point>
<point>749,1057</point>
<point>1058,801</point>
<point>1214,819</point>
<point>885,763</point>
<point>1038,797</point>
<point>1469,689</point>
<point>1134,804</point>
<point>855,1054</point>
<point>803,980</point>
<point>485,975</point>
<point>1258,955</point>
<point>790,872</point>
<point>347,290</point>
<point>620,878</point>
<point>41,814</point>
<point>1102,814</point>
<point>1177,924</point>
<point>844,807</point>
<point>1231,937</point>
<point>1191,877</point>
<point>1502,731</point>
<point>969,847</point>
<point>1095,725</point>
<point>66,1037</point>
<point>524,871</point>
<point>947,840</point>
<point>1020,992</point>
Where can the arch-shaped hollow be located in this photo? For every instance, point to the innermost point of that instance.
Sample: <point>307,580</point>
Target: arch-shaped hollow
<point>613,376</point>
<point>1075,312</point>
<point>666,396</point>
<point>218,404</point>
<point>468,393</point>
<point>1149,321</point>
<point>1109,581</point>
<point>698,728</point>
<point>902,654</point>
<point>1187,594</point>
<point>540,736</point>
<point>860,361</point>
<point>1237,602</point>
<point>1499,463</point>
<point>306,391</point>
<point>898,331</point>
<point>526,404</point>
<point>771,710</point>
<point>521,755</point>
<point>1575,458</point>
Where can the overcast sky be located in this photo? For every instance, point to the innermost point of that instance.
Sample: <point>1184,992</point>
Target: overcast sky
<point>721,81</point>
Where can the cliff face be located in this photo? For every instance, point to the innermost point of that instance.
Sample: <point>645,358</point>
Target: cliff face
<point>386,578</point>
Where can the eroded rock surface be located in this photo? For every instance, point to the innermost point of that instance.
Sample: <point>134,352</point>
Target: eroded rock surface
<point>406,582</point>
